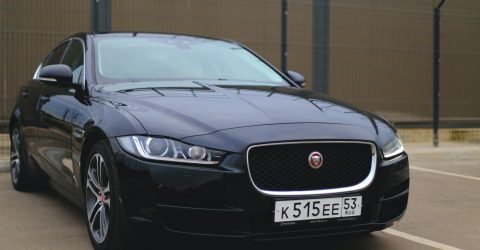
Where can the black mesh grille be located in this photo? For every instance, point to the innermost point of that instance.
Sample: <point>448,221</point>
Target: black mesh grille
<point>285,167</point>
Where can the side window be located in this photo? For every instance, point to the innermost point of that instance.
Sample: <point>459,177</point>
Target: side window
<point>56,55</point>
<point>74,59</point>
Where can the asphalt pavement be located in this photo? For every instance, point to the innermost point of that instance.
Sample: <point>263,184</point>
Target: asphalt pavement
<point>443,211</point>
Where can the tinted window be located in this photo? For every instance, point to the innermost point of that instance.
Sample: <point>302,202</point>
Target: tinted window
<point>56,55</point>
<point>149,58</point>
<point>74,59</point>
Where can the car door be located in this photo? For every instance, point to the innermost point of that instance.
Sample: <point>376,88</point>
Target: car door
<point>56,106</point>
<point>26,107</point>
<point>37,142</point>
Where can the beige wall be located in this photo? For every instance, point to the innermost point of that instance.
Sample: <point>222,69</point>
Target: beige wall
<point>381,57</point>
<point>380,50</point>
<point>460,71</point>
<point>29,30</point>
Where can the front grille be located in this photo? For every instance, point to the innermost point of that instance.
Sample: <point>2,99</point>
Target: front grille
<point>284,167</point>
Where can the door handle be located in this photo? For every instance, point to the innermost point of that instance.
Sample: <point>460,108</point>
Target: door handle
<point>25,93</point>
<point>44,99</point>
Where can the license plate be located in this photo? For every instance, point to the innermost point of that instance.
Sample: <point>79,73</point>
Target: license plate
<point>315,209</point>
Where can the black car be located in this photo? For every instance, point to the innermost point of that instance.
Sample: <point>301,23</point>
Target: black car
<point>199,136</point>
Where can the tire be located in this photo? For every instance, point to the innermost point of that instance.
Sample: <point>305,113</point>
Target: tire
<point>102,201</point>
<point>20,170</point>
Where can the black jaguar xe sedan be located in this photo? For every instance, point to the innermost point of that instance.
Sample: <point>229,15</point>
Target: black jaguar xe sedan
<point>189,135</point>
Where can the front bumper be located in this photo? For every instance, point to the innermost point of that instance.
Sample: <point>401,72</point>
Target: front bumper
<point>222,202</point>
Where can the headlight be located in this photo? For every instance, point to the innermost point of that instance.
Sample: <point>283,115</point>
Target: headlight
<point>393,148</point>
<point>163,149</point>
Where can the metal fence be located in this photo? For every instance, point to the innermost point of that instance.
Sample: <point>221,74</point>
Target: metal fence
<point>28,30</point>
<point>377,54</point>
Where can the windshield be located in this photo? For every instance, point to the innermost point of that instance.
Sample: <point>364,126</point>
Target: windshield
<point>169,57</point>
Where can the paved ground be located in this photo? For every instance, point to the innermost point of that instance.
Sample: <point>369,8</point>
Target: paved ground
<point>40,220</point>
<point>443,211</point>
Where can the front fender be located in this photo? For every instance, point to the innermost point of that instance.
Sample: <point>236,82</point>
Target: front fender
<point>97,121</point>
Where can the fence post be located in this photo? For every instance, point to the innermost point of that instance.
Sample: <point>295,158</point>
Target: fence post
<point>321,40</point>
<point>101,15</point>
<point>284,52</point>
<point>436,71</point>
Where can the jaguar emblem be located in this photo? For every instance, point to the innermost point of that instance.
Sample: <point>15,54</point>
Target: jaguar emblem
<point>315,160</point>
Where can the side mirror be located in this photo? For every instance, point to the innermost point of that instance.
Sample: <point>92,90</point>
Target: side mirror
<point>56,73</point>
<point>297,78</point>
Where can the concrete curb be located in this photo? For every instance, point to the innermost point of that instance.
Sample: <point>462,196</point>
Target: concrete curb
<point>446,151</point>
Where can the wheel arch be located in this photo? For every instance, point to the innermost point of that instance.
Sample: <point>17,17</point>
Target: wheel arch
<point>14,119</point>
<point>11,123</point>
<point>92,136</point>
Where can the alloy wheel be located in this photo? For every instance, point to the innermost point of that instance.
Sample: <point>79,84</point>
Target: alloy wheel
<point>15,156</point>
<point>98,198</point>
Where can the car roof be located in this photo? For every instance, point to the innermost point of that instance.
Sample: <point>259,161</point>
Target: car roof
<point>84,35</point>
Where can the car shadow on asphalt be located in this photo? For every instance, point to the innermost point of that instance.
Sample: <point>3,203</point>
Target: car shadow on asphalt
<point>356,241</point>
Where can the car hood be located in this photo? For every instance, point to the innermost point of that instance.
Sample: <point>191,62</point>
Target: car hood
<point>186,109</point>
